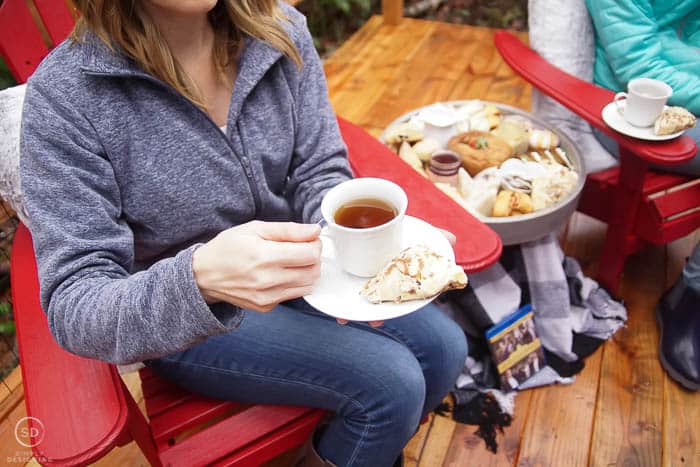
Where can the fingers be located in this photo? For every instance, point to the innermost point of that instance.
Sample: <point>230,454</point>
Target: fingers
<point>288,277</point>
<point>374,324</point>
<point>287,231</point>
<point>295,292</point>
<point>292,255</point>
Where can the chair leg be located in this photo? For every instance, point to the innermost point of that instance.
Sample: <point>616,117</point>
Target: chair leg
<point>140,431</point>
<point>612,259</point>
<point>620,235</point>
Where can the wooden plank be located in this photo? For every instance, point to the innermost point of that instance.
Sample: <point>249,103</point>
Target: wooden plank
<point>428,76</point>
<point>342,64</point>
<point>4,392</point>
<point>11,451</point>
<point>506,87</point>
<point>558,415</point>
<point>359,42</point>
<point>437,444</point>
<point>414,448</point>
<point>15,398</point>
<point>391,48</point>
<point>681,440</point>
<point>133,384</point>
<point>628,418</point>
<point>478,76</point>
<point>467,448</point>
<point>14,379</point>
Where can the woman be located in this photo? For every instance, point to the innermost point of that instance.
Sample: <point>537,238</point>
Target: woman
<point>165,151</point>
<point>659,39</point>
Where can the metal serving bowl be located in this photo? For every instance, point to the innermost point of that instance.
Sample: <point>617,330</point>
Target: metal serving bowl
<point>526,227</point>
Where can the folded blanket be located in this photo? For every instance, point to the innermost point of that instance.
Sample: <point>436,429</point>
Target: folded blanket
<point>573,316</point>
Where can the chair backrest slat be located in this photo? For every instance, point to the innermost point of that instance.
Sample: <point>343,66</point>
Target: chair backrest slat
<point>56,16</point>
<point>21,43</point>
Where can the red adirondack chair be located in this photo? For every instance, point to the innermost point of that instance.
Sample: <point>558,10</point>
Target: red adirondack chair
<point>81,409</point>
<point>640,206</point>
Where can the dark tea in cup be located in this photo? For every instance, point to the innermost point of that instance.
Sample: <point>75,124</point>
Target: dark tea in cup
<point>364,213</point>
<point>365,223</point>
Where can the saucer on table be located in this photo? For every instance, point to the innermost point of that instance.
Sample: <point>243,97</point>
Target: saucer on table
<point>617,122</point>
<point>337,293</point>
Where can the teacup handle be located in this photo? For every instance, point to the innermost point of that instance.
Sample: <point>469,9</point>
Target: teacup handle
<point>620,96</point>
<point>325,232</point>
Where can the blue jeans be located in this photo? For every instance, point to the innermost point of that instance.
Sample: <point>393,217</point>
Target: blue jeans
<point>379,382</point>
<point>691,272</point>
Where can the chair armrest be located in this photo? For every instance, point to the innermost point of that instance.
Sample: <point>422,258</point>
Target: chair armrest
<point>586,100</point>
<point>478,247</point>
<point>78,403</point>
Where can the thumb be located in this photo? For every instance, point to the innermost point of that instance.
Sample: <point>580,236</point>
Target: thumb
<point>288,231</point>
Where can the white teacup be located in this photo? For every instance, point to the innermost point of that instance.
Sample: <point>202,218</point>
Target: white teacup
<point>644,101</point>
<point>364,251</point>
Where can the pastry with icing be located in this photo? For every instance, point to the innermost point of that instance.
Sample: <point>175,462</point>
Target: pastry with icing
<point>417,273</point>
<point>673,120</point>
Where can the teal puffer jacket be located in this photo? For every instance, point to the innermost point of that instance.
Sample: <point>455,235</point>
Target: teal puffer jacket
<point>649,38</point>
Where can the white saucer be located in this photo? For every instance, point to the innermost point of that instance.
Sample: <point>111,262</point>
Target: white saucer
<point>337,293</point>
<point>617,122</point>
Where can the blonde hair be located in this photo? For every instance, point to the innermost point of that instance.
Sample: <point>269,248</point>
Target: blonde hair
<point>124,24</point>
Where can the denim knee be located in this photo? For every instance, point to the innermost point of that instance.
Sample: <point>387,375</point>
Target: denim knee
<point>382,411</point>
<point>455,349</point>
<point>403,400</point>
<point>392,401</point>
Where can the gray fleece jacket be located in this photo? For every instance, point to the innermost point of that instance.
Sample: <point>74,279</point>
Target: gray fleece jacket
<point>123,177</point>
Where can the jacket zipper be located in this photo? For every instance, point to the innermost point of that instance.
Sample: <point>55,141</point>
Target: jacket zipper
<point>245,163</point>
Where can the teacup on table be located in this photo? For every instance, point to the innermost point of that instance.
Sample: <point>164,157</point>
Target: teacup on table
<point>644,101</point>
<point>364,218</point>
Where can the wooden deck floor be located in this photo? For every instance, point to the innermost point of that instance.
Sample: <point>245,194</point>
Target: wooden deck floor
<point>622,409</point>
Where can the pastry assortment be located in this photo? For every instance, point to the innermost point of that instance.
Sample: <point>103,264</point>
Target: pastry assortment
<point>672,120</point>
<point>509,166</point>
<point>415,274</point>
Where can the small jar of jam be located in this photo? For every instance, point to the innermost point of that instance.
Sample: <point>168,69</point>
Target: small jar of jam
<point>443,167</point>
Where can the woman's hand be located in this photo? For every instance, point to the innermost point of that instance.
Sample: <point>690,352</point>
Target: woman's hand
<point>257,265</point>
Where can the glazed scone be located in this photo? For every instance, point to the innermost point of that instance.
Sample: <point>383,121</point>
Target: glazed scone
<point>672,120</point>
<point>417,273</point>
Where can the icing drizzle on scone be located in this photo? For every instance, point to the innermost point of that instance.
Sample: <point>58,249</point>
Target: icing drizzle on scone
<point>417,273</point>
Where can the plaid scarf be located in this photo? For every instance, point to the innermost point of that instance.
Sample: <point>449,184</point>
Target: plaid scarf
<point>573,316</point>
